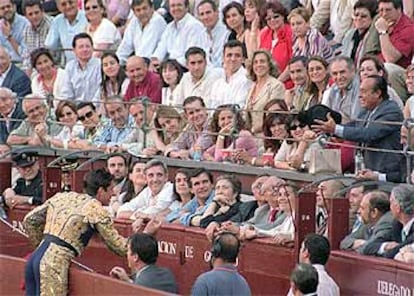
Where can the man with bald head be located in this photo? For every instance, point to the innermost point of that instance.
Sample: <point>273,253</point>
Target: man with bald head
<point>326,190</point>
<point>11,113</point>
<point>34,127</point>
<point>12,77</point>
<point>142,81</point>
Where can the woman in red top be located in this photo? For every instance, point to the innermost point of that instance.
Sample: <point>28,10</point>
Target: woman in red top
<point>277,37</point>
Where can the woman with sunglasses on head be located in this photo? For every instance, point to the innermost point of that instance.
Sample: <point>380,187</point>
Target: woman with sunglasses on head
<point>294,153</point>
<point>103,32</point>
<point>277,37</point>
<point>318,80</point>
<point>225,118</point>
<point>49,78</point>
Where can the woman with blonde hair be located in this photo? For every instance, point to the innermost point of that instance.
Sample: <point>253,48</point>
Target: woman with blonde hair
<point>168,125</point>
<point>263,72</point>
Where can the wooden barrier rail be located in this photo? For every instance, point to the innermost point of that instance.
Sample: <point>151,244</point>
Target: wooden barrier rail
<point>80,282</point>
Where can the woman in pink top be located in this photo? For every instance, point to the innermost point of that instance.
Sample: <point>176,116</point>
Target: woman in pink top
<point>224,118</point>
<point>277,36</point>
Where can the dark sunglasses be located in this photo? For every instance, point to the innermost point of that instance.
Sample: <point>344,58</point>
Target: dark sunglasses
<point>87,115</point>
<point>92,7</point>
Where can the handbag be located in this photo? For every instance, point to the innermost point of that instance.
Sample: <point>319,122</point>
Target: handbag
<point>325,161</point>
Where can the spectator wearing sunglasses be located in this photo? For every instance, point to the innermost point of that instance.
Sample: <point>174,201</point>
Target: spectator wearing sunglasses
<point>71,131</point>
<point>90,120</point>
<point>294,152</point>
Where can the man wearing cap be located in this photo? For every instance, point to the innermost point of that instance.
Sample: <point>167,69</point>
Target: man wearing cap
<point>28,189</point>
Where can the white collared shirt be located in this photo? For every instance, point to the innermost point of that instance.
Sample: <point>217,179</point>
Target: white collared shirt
<point>145,203</point>
<point>202,88</point>
<point>141,41</point>
<point>178,37</point>
<point>82,84</point>
<point>231,91</point>
<point>3,76</point>
<point>326,285</point>
<point>406,228</point>
<point>214,42</point>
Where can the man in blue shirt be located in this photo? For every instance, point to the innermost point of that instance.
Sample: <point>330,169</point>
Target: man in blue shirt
<point>65,26</point>
<point>82,78</point>
<point>12,26</point>
<point>120,126</point>
<point>223,279</point>
<point>201,184</point>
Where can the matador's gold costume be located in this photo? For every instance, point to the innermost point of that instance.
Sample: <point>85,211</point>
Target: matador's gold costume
<point>61,228</point>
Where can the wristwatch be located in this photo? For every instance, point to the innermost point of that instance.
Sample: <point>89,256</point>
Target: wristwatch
<point>384,32</point>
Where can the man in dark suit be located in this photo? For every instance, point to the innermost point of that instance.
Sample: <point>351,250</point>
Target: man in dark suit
<point>375,214</point>
<point>12,77</point>
<point>10,113</point>
<point>402,208</point>
<point>374,98</point>
<point>142,256</point>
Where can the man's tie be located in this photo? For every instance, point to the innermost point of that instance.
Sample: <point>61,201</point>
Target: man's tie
<point>272,215</point>
<point>403,236</point>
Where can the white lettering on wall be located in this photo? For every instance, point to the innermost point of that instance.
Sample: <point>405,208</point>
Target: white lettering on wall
<point>189,251</point>
<point>167,247</point>
<point>391,289</point>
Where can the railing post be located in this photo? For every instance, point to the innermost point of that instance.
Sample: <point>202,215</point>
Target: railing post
<point>338,220</point>
<point>305,206</point>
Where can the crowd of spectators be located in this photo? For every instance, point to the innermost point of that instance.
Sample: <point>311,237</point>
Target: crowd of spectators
<point>220,81</point>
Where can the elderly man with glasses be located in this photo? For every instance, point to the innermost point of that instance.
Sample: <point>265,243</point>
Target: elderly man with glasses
<point>31,130</point>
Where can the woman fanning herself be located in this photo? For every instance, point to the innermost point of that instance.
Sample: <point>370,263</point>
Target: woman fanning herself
<point>224,119</point>
<point>226,201</point>
<point>103,32</point>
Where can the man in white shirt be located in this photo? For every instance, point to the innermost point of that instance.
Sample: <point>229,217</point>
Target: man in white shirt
<point>315,250</point>
<point>82,78</point>
<point>233,87</point>
<point>143,32</point>
<point>156,197</point>
<point>215,34</point>
<point>198,80</point>
<point>182,33</point>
